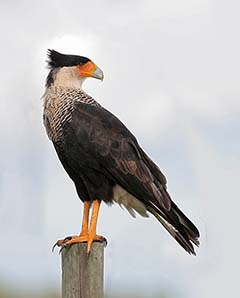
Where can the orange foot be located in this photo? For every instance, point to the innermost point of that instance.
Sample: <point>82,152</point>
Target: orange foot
<point>79,239</point>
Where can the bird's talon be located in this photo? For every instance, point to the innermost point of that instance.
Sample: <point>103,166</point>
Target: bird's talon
<point>102,240</point>
<point>66,239</point>
<point>62,243</point>
<point>60,250</point>
<point>105,242</point>
<point>56,244</point>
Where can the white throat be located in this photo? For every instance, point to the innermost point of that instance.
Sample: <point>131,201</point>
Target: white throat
<point>68,78</point>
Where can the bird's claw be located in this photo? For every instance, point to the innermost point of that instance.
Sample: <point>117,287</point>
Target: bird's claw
<point>62,243</point>
<point>65,242</point>
<point>104,240</point>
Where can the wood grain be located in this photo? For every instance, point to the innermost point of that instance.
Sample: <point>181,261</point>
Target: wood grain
<point>82,274</point>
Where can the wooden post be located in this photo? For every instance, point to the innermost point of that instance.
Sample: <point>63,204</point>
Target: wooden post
<point>82,274</point>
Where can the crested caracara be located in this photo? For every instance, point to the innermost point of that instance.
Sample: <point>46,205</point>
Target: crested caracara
<point>102,157</point>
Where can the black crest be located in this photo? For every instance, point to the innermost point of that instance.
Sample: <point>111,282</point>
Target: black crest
<point>56,59</point>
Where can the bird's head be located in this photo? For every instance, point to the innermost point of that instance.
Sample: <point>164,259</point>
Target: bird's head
<point>70,70</point>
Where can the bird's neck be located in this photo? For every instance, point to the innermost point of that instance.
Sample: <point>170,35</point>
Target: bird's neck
<point>66,77</point>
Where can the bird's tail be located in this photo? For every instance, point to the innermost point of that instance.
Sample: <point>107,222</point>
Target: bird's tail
<point>178,225</point>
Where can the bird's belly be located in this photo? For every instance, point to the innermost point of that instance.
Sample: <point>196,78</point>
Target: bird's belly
<point>132,204</point>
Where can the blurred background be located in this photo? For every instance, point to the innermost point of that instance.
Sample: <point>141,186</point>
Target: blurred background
<point>172,76</point>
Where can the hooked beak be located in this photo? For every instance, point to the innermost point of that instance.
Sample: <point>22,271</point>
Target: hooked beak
<point>98,74</point>
<point>90,69</point>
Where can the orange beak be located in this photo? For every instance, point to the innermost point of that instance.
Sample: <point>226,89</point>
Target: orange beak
<point>90,69</point>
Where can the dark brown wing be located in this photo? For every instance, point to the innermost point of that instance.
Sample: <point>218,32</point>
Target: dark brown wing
<point>95,139</point>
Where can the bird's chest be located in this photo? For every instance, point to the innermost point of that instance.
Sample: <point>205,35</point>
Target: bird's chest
<point>57,111</point>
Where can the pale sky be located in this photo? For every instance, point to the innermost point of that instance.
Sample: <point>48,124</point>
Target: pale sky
<point>172,76</point>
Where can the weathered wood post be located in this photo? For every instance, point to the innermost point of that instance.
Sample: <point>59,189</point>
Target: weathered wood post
<point>82,274</point>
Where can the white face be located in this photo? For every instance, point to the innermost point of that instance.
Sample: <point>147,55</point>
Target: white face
<point>74,76</point>
<point>68,77</point>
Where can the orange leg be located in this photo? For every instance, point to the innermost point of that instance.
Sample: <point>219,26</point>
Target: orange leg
<point>86,235</point>
<point>93,225</point>
<point>86,207</point>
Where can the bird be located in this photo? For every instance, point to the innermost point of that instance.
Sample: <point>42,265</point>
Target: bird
<point>102,157</point>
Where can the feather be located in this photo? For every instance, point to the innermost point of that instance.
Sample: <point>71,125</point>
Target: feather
<point>185,243</point>
<point>100,154</point>
<point>56,59</point>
